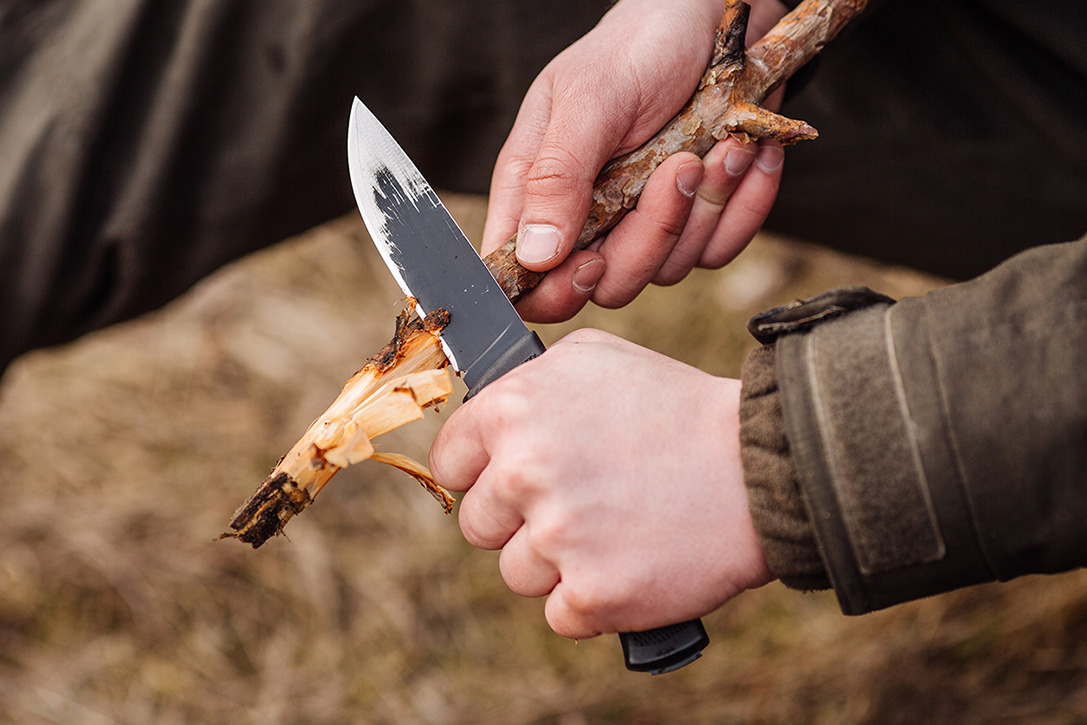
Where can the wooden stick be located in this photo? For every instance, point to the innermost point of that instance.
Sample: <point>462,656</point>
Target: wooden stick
<point>408,375</point>
<point>392,388</point>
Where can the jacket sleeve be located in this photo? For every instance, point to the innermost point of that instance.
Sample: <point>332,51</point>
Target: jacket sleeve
<point>927,444</point>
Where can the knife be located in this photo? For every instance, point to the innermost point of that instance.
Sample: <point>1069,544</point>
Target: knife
<point>433,261</point>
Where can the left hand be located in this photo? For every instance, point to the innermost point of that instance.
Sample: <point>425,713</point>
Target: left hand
<point>604,96</point>
<point>610,477</point>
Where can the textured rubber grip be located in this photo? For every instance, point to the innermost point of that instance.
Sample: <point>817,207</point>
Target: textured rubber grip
<point>664,649</point>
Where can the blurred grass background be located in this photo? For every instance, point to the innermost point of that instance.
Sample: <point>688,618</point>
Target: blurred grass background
<point>124,455</point>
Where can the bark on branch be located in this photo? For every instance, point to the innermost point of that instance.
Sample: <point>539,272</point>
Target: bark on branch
<point>408,375</point>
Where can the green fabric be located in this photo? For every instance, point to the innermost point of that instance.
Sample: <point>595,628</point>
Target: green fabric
<point>143,144</point>
<point>940,441</point>
<point>773,494</point>
<point>952,135</point>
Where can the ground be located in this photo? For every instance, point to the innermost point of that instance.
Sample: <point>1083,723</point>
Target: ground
<point>125,454</point>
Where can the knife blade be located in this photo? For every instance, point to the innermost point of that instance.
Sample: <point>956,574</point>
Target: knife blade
<point>433,261</point>
<point>431,258</point>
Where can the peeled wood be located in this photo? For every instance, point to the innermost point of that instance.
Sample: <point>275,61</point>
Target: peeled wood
<point>393,388</point>
<point>408,375</point>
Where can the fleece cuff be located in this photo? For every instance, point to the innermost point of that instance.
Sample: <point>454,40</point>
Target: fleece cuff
<point>777,508</point>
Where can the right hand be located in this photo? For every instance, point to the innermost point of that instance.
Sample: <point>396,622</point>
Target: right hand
<point>610,477</point>
<point>603,97</point>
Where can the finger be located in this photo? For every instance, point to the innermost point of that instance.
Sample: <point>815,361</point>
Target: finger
<point>578,611</point>
<point>637,247</point>
<point>725,164</point>
<point>571,616</point>
<point>558,185</point>
<point>764,15</point>
<point>523,569</point>
<point>506,196</point>
<point>487,520</point>
<point>458,454</point>
<point>565,289</point>
<point>747,208</point>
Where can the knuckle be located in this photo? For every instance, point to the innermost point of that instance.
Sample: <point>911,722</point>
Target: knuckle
<point>584,334</point>
<point>714,197</point>
<point>548,537</point>
<point>670,226</point>
<point>506,405</point>
<point>573,615</point>
<point>553,172</point>
<point>758,207</point>
<point>512,575</point>
<point>671,273</point>
<point>482,530</point>
<point>588,603</point>
<point>718,255</point>
<point>472,534</point>
<point>517,478</point>
<point>619,291</point>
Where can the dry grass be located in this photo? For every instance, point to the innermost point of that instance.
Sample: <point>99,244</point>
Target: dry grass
<point>125,454</point>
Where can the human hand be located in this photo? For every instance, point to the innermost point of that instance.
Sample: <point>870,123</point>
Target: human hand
<point>603,97</point>
<point>610,477</point>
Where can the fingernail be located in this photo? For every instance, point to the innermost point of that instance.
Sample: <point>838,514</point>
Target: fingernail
<point>738,160</point>
<point>587,275</point>
<point>537,243</point>
<point>770,158</point>
<point>689,177</point>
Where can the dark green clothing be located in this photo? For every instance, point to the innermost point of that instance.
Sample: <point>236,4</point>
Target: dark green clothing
<point>143,144</point>
<point>953,134</point>
<point>898,450</point>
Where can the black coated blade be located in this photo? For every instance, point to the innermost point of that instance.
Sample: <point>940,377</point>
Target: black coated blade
<point>423,247</point>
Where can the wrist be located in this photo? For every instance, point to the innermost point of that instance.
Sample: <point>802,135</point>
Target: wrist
<point>741,552</point>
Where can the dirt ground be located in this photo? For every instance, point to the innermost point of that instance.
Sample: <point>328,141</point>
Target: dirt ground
<point>124,455</point>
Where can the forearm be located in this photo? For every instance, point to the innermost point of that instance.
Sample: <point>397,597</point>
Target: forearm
<point>936,442</point>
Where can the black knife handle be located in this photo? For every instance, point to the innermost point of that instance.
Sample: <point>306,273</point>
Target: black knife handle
<point>664,649</point>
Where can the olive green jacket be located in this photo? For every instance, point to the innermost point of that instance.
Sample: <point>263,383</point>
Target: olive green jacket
<point>894,450</point>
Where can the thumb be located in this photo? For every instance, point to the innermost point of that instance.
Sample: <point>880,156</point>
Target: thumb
<point>558,191</point>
